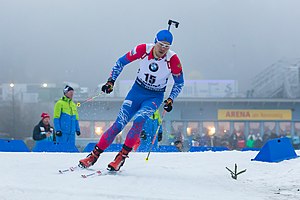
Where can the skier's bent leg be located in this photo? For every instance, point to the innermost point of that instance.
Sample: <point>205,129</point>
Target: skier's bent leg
<point>134,133</point>
<point>106,139</point>
<point>109,135</point>
<point>132,137</point>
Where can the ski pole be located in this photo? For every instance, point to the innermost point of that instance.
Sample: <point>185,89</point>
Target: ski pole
<point>89,99</point>
<point>154,138</point>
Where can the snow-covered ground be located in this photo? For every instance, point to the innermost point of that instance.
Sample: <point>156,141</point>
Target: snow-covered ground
<point>34,176</point>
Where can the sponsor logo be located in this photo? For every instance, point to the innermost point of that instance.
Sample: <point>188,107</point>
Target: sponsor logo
<point>153,67</point>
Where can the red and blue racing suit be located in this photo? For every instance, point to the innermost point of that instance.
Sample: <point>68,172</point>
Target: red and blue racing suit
<point>146,94</point>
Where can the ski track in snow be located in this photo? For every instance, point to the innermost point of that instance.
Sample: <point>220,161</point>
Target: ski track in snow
<point>166,176</point>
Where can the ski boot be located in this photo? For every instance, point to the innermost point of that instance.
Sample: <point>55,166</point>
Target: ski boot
<point>91,158</point>
<point>119,159</point>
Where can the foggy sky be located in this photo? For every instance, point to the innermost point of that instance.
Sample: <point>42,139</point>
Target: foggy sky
<point>80,40</point>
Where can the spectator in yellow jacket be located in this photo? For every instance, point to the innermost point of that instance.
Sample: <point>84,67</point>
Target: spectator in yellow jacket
<point>66,117</point>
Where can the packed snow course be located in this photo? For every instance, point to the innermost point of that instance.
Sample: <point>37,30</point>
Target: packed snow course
<point>166,176</point>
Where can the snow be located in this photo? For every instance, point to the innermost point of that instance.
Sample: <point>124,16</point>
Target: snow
<point>172,176</point>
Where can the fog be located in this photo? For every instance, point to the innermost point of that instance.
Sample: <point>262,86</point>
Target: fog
<point>80,40</point>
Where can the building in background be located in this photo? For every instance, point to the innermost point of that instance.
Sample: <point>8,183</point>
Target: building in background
<point>280,80</point>
<point>202,121</point>
<point>206,112</point>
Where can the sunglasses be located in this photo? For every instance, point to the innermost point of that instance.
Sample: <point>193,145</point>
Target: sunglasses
<point>163,45</point>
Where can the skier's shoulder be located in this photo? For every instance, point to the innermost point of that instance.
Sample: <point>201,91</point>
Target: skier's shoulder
<point>149,47</point>
<point>171,55</point>
<point>137,52</point>
<point>143,48</point>
<point>175,63</point>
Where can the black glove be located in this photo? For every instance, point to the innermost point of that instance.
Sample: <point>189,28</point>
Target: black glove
<point>108,87</point>
<point>159,136</point>
<point>58,133</point>
<point>168,104</point>
<point>78,133</point>
<point>143,135</point>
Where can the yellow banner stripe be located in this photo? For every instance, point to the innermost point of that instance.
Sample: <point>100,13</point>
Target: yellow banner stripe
<point>238,114</point>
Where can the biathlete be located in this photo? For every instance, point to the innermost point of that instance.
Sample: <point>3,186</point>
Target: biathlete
<point>157,63</point>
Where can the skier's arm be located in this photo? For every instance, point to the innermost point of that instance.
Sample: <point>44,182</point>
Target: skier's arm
<point>177,73</point>
<point>129,57</point>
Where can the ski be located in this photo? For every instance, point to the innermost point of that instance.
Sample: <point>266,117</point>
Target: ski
<point>70,169</point>
<point>99,173</point>
<point>93,174</point>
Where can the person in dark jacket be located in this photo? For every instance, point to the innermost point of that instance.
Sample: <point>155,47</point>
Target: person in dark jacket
<point>43,131</point>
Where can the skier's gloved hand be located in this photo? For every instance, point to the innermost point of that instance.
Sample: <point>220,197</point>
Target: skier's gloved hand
<point>168,104</point>
<point>108,86</point>
<point>159,136</point>
<point>78,133</point>
<point>58,133</point>
<point>143,135</point>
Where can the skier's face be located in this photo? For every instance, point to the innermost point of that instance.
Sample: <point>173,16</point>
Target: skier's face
<point>161,48</point>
